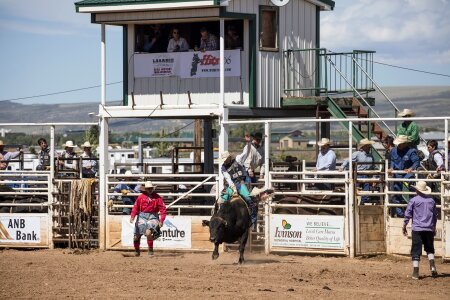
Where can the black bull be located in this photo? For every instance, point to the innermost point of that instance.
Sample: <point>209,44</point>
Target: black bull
<point>230,223</point>
<point>17,198</point>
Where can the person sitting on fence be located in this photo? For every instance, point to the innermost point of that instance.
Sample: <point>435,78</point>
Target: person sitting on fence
<point>234,173</point>
<point>422,210</point>
<point>44,156</point>
<point>435,161</point>
<point>89,163</point>
<point>365,162</point>
<point>388,144</point>
<point>251,157</point>
<point>148,205</point>
<point>326,161</point>
<point>403,158</point>
<point>5,156</point>
<point>67,162</point>
<point>409,128</point>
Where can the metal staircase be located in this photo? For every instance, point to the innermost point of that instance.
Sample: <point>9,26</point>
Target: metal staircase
<point>344,81</point>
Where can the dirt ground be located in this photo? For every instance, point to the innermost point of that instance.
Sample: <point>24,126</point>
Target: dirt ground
<point>52,274</point>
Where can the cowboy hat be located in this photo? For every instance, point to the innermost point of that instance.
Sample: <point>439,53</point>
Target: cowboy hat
<point>149,185</point>
<point>257,135</point>
<point>1,143</point>
<point>422,187</point>
<point>365,142</point>
<point>401,139</point>
<point>406,113</point>
<point>324,141</point>
<point>69,144</point>
<point>86,145</point>
<point>128,172</point>
<point>224,156</point>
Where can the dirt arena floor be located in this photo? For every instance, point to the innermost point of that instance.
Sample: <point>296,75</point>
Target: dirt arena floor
<point>58,274</point>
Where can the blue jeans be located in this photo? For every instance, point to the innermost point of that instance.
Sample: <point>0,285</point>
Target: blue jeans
<point>365,186</point>
<point>127,201</point>
<point>398,199</point>
<point>245,194</point>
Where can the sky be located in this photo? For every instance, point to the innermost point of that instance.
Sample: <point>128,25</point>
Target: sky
<point>47,47</point>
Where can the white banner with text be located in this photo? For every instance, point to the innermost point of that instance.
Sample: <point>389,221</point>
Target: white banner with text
<point>176,233</point>
<point>186,64</point>
<point>300,231</point>
<point>20,229</point>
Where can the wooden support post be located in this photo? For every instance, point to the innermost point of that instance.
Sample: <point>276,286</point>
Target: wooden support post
<point>161,99</point>
<point>198,143</point>
<point>189,98</point>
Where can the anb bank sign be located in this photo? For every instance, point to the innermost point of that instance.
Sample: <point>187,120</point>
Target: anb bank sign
<point>20,229</point>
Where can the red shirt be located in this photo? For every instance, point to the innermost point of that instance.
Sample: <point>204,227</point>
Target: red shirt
<point>152,204</point>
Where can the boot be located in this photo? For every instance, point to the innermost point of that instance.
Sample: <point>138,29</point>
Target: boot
<point>137,252</point>
<point>150,252</point>
<point>415,274</point>
<point>433,268</point>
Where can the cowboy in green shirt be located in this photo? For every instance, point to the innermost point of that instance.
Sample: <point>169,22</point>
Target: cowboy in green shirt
<point>409,128</point>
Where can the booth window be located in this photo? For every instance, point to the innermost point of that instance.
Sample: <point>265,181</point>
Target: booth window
<point>268,28</point>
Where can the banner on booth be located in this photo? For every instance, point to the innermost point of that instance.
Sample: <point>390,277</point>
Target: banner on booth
<point>300,231</point>
<point>187,64</point>
<point>20,229</point>
<point>176,233</point>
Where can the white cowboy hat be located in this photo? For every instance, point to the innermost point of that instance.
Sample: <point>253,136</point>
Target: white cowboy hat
<point>86,145</point>
<point>401,139</point>
<point>69,144</point>
<point>324,141</point>
<point>149,185</point>
<point>128,172</point>
<point>448,140</point>
<point>406,113</point>
<point>422,187</point>
<point>365,142</point>
<point>224,156</point>
<point>1,143</point>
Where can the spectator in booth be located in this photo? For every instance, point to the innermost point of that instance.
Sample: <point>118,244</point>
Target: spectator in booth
<point>68,162</point>
<point>422,211</point>
<point>5,156</point>
<point>409,128</point>
<point>232,39</point>
<point>154,42</point>
<point>403,158</point>
<point>125,189</point>
<point>151,213</point>
<point>326,161</point>
<point>252,157</point>
<point>177,43</point>
<point>89,162</point>
<point>208,41</point>
<point>361,156</point>
<point>234,174</point>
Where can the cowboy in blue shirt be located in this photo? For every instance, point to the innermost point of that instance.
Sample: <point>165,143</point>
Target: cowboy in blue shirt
<point>403,158</point>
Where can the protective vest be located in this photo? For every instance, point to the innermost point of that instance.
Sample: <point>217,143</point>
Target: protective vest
<point>431,164</point>
<point>235,171</point>
<point>44,159</point>
<point>3,165</point>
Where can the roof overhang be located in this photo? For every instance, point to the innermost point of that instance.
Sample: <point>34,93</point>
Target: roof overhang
<point>142,6</point>
<point>323,4</point>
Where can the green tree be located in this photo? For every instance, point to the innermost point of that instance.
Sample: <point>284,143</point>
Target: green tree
<point>92,134</point>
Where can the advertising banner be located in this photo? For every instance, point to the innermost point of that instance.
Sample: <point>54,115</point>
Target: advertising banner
<point>300,231</point>
<point>175,234</point>
<point>20,229</point>
<point>186,64</point>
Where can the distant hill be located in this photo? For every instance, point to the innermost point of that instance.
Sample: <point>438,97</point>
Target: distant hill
<point>425,101</point>
<point>76,112</point>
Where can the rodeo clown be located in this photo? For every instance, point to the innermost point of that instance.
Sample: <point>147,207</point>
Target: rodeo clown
<point>147,206</point>
<point>233,171</point>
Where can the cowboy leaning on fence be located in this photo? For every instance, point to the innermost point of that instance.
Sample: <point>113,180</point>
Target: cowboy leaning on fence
<point>148,205</point>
